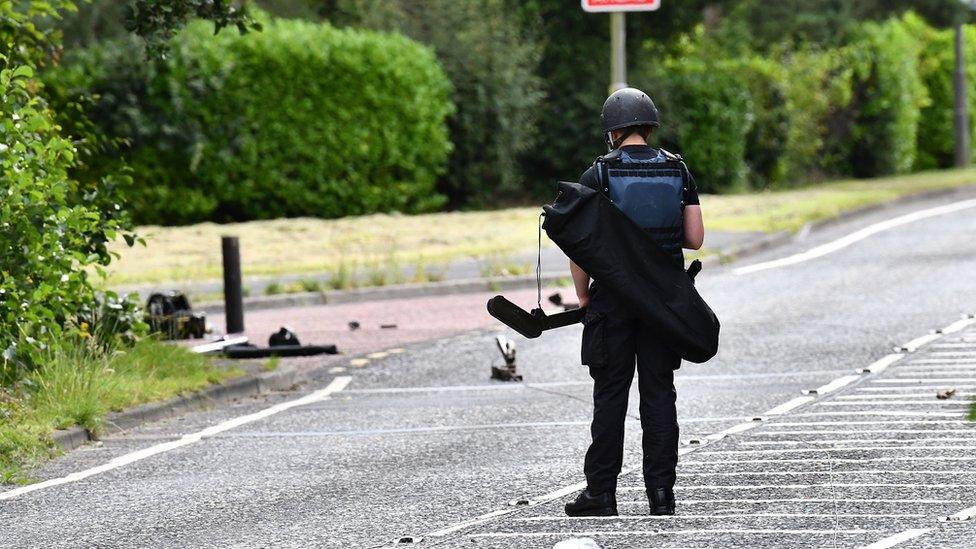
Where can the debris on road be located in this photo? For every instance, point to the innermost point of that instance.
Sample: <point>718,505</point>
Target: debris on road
<point>945,394</point>
<point>283,337</point>
<point>353,325</point>
<point>508,371</point>
<point>388,326</point>
<point>170,314</point>
<point>220,343</point>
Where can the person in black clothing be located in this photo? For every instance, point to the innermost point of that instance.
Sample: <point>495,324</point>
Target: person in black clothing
<point>655,189</point>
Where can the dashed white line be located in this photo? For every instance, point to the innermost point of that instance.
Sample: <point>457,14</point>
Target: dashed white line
<point>859,472</point>
<point>601,533</point>
<point>865,448</point>
<point>553,518</point>
<point>789,406</point>
<point>802,500</point>
<point>856,236</point>
<point>337,385</point>
<point>833,385</point>
<point>918,342</point>
<point>965,514</point>
<point>729,462</point>
<point>896,539</point>
<point>882,364</point>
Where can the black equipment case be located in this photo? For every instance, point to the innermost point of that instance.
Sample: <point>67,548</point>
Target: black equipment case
<point>626,262</point>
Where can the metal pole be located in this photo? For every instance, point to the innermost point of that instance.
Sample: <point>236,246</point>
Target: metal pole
<point>233,293</point>
<point>618,51</point>
<point>961,114</point>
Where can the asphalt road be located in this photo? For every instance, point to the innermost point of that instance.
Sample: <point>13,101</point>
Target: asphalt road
<point>422,440</point>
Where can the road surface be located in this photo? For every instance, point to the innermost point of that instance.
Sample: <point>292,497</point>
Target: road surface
<point>421,442</point>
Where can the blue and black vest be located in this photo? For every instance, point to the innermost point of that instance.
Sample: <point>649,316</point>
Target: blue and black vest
<point>651,192</point>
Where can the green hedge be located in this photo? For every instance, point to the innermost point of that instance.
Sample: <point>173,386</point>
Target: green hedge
<point>797,115</point>
<point>299,119</point>
<point>936,127</point>
<point>876,133</point>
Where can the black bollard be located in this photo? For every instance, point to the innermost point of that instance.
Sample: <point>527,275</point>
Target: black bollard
<point>233,293</point>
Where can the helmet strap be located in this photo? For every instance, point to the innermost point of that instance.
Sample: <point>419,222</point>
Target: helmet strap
<point>611,144</point>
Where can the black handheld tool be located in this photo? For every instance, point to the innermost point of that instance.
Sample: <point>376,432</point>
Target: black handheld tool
<point>530,324</point>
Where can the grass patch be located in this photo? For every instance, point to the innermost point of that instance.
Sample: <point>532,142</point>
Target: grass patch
<point>972,411</point>
<point>494,266</point>
<point>271,364</point>
<point>79,385</point>
<point>342,247</point>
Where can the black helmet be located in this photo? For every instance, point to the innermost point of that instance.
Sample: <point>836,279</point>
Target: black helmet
<point>628,107</point>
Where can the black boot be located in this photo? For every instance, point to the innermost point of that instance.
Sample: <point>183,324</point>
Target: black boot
<point>661,500</point>
<point>588,505</point>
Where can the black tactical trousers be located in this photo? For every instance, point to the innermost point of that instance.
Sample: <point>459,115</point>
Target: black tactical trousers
<point>612,338</point>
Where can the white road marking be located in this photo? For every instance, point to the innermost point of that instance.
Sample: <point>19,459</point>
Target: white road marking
<point>882,364</point>
<point>860,431</point>
<point>789,406</point>
<point>682,488</point>
<point>913,388</point>
<point>903,380</point>
<point>889,422</point>
<point>958,325</point>
<point>908,397</point>
<point>553,518</point>
<point>918,342</point>
<point>886,413</point>
<point>842,442</point>
<point>680,378</point>
<point>832,460</point>
<point>811,532</point>
<point>933,400</point>
<point>337,385</point>
<point>856,236</point>
<point>764,473</point>
<point>896,539</point>
<point>899,448</point>
<point>833,385</point>
<point>682,502</point>
<point>407,430</point>
<point>965,514</point>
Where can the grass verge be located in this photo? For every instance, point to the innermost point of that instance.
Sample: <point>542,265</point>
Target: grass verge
<point>79,385</point>
<point>341,246</point>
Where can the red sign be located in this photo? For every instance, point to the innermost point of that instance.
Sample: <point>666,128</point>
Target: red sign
<point>620,5</point>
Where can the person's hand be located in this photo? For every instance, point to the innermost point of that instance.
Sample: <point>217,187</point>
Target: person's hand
<point>584,300</point>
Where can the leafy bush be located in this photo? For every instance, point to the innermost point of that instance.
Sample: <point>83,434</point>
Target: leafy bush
<point>52,229</point>
<point>299,119</point>
<point>820,85</point>
<point>492,64</point>
<point>876,133</point>
<point>706,113</point>
<point>771,116</point>
<point>936,128</point>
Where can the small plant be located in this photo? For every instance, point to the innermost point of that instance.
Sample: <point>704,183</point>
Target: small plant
<point>274,288</point>
<point>344,276</point>
<point>562,282</point>
<point>423,272</point>
<point>310,285</point>
<point>271,364</point>
<point>972,411</point>
<point>493,266</point>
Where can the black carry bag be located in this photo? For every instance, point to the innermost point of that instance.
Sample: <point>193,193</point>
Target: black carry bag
<point>626,262</point>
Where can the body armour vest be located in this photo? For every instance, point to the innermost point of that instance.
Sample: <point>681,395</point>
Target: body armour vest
<point>650,192</point>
